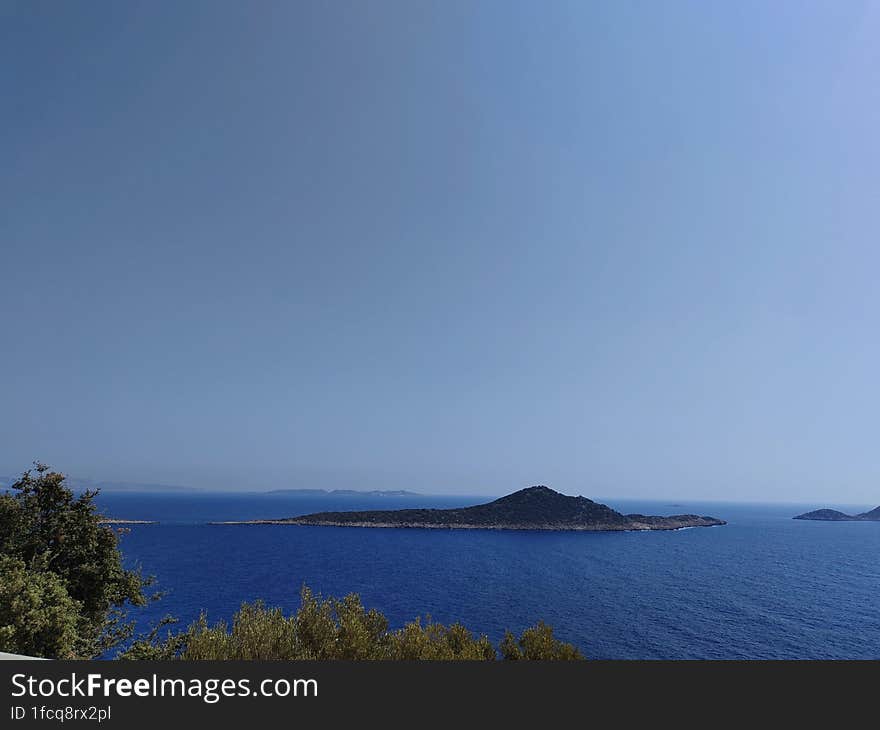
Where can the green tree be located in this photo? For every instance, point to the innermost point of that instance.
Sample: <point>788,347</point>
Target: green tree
<point>74,588</point>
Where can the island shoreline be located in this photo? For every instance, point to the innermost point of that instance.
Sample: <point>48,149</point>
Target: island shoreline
<point>513,528</point>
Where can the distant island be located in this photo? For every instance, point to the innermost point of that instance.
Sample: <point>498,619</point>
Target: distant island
<point>117,521</point>
<point>534,508</point>
<point>833,515</point>
<point>345,492</point>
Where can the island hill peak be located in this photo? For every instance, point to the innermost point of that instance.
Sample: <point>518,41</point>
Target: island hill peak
<point>533,508</point>
<point>833,515</point>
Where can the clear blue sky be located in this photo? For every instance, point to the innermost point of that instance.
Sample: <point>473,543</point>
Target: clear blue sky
<point>620,248</point>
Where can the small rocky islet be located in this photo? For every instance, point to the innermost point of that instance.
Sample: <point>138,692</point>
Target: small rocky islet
<point>117,521</point>
<point>533,508</point>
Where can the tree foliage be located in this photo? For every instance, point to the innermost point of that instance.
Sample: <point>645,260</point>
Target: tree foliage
<point>37,615</point>
<point>63,587</point>
<point>334,628</point>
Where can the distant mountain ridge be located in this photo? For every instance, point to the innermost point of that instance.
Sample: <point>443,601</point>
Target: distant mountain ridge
<point>347,492</point>
<point>79,485</point>
<point>833,515</point>
<point>533,508</point>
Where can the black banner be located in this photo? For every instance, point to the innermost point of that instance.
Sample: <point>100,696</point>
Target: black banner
<point>150,694</point>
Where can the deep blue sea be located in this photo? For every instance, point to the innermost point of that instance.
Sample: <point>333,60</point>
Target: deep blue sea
<point>762,587</point>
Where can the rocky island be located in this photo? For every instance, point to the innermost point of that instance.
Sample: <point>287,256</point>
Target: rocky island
<point>534,508</point>
<point>833,515</point>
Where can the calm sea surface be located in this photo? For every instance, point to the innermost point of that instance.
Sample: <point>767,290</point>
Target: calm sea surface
<point>762,587</point>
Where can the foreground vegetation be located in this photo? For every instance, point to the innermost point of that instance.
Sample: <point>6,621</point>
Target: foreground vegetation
<point>64,594</point>
<point>340,629</point>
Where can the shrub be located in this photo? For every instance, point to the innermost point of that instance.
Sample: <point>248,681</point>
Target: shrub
<point>339,629</point>
<point>537,642</point>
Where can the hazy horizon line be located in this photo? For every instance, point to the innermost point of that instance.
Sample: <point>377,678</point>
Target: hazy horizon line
<point>134,487</point>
